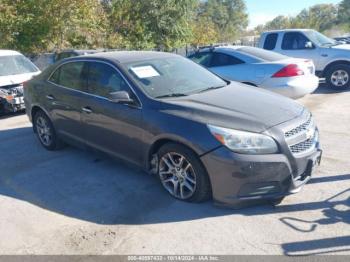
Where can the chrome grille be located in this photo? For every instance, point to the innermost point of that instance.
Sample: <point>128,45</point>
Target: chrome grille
<point>300,128</point>
<point>303,137</point>
<point>305,145</point>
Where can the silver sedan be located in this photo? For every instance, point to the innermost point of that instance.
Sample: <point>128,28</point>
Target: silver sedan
<point>291,77</point>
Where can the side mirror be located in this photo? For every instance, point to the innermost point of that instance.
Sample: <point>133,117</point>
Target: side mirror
<point>309,45</point>
<point>121,97</point>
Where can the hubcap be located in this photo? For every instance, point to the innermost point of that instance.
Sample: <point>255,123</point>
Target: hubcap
<point>340,78</point>
<point>44,131</point>
<point>177,175</point>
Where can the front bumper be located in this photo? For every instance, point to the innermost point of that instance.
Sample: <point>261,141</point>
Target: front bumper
<point>14,105</point>
<point>242,180</point>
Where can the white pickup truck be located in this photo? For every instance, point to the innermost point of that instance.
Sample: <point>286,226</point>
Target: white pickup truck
<point>331,58</point>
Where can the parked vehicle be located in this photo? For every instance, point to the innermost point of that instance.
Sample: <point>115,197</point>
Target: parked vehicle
<point>42,61</point>
<point>331,58</point>
<point>203,136</point>
<point>290,77</point>
<point>74,52</point>
<point>343,40</point>
<point>14,70</point>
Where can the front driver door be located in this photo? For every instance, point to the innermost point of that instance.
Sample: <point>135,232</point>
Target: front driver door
<point>111,127</point>
<point>294,44</point>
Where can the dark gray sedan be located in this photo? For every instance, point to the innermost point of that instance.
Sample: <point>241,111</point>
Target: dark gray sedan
<point>203,136</point>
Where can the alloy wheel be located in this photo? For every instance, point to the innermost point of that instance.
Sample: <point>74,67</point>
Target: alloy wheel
<point>177,175</point>
<point>340,78</point>
<point>44,131</point>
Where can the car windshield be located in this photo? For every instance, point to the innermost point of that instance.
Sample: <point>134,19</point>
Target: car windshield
<point>172,76</point>
<point>320,39</point>
<point>15,65</point>
<point>261,54</point>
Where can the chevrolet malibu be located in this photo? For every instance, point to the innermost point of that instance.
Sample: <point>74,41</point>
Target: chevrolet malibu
<point>201,135</point>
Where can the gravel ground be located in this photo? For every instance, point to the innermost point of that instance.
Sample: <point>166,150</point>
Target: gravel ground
<point>78,202</point>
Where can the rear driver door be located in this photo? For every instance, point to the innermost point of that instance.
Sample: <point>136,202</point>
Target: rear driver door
<point>108,126</point>
<point>64,91</point>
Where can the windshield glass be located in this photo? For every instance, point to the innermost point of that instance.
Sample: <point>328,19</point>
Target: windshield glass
<point>261,54</point>
<point>319,39</point>
<point>174,76</point>
<point>15,65</point>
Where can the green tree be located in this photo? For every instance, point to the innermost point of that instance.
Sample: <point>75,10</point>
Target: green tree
<point>204,32</point>
<point>163,24</point>
<point>319,17</point>
<point>280,22</point>
<point>38,25</point>
<point>344,12</point>
<point>229,16</point>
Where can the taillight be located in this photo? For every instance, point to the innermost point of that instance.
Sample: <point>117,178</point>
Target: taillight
<point>289,71</point>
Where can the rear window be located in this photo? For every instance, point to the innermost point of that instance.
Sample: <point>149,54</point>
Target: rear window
<point>270,41</point>
<point>261,54</point>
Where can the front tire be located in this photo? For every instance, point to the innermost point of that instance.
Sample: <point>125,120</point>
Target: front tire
<point>45,132</point>
<point>182,174</point>
<point>338,77</point>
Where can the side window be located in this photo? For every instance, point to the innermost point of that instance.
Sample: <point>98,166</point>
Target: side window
<point>104,79</point>
<point>294,41</point>
<point>55,77</point>
<point>220,59</point>
<point>270,41</point>
<point>202,58</point>
<point>70,75</point>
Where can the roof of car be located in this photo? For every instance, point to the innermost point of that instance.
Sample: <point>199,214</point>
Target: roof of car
<point>81,51</point>
<point>8,52</point>
<point>289,30</point>
<point>130,56</point>
<point>221,48</point>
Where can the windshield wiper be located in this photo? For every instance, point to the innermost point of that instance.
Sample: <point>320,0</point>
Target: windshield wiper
<point>210,88</point>
<point>172,95</point>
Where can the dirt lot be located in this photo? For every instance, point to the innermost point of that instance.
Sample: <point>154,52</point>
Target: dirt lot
<point>78,202</point>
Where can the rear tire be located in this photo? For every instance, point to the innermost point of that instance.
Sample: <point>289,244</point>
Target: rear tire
<point>182,174</point>
<point>46,132</point>
<point>338,77</point>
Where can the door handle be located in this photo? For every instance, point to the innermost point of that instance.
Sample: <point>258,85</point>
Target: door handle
<point>324,55</point>
<point>50,97</point>
<point>87,110</point>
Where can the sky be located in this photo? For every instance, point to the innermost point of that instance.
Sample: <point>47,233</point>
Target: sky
<point>262,11</point>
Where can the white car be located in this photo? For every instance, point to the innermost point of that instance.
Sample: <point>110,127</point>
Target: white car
<point>15,69</point>
<point>331,58</point>
<point>287,76</point>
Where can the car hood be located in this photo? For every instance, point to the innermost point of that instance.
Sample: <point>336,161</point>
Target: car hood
<point>236,106</point>
<point>342,47</point>
<point>16,79</point>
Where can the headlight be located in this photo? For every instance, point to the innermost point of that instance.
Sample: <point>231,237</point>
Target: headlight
<point>244,142</point>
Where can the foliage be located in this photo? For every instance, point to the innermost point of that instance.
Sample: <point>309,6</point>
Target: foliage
<point>229,17</point>
<point>203,32</point>
<point>162,24</point>
<point>321,17</point>
<point>344,14</point>
<point>38,25</point>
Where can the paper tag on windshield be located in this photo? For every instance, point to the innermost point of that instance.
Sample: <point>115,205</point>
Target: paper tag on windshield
<point>145,71</point>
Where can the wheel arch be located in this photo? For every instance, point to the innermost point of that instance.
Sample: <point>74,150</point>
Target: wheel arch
<point>34,110</point>
<point>158,143</point>
<point>337,62</point>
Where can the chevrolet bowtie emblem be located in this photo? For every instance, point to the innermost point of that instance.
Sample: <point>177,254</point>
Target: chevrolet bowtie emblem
<point>310,133</point>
